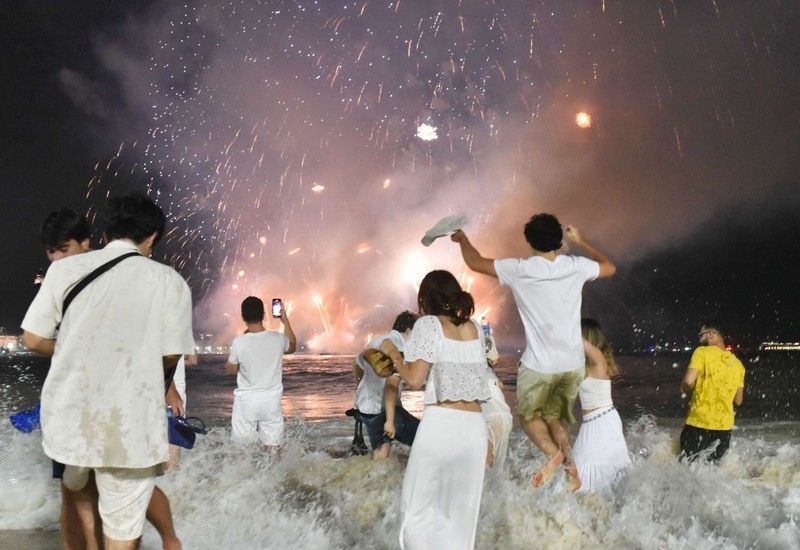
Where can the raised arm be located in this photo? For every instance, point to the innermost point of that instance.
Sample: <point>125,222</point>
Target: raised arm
<point>607,267</point>
<point>472,257</point>
<point>599,366</point>
<point>287,330</point>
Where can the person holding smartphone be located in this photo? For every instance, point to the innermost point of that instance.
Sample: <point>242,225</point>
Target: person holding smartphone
<point>256,358</point>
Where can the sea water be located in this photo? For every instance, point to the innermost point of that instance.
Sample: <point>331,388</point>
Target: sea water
<point>317,496</point>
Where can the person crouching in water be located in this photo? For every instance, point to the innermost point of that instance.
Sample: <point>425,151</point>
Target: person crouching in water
<point>377,395</point>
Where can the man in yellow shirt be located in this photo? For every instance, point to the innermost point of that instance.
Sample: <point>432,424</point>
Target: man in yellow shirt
<point>716,379</point>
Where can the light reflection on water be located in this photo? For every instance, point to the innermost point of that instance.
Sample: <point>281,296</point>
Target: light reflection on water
<point>230,496</point>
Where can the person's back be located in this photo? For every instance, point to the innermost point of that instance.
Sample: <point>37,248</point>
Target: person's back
<point>103,399</point>
<point>110,345</point>
<point>720,376</point>
<point>548,295</point>
<point>716,379</point>
<point>256,358</point>
<point>260,356</point>
<point>547,291</point>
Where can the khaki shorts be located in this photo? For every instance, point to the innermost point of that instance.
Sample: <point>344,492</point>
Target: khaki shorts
<point>124,494</point>
<point>547,396</point>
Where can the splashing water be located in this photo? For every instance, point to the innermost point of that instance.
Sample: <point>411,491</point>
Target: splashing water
<point>224,495</point>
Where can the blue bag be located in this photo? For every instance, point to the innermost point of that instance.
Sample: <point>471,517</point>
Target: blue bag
<point>27,421</point>
<point>183,431</point>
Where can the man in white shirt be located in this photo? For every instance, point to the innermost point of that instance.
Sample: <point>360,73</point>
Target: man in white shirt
<point>547,289</point>
<point>65,233</point>
<point>103,399</point>
<point>256,358</point>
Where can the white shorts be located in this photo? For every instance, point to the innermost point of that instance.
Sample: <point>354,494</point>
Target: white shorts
<point>262,418</point>
<point>124,494</point>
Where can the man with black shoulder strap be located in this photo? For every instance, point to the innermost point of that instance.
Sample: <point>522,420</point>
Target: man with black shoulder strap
<point>103,402</point>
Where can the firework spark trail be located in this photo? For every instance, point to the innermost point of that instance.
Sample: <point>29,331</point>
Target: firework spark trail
<point>278,120</point>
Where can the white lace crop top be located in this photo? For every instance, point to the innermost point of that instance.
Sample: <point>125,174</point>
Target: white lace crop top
<point>595,393</point>
<point>458,367</point>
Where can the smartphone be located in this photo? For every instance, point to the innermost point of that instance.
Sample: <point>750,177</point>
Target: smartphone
<point>277,305</point>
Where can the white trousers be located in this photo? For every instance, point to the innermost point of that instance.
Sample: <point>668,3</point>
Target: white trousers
<point>443,483</point>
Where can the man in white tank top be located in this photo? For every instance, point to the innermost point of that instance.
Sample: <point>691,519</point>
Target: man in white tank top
<point>547,288</point>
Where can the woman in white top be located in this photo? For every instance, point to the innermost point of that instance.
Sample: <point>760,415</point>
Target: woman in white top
<point>600,452</point>
<point>443,482</point>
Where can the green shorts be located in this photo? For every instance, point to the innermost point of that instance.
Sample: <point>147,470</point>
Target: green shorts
<point>547,396</point>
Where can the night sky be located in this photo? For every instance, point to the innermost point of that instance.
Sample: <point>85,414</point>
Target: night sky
<point>289,143</point>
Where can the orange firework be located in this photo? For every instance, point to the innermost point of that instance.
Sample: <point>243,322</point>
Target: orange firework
<point>583,120</point>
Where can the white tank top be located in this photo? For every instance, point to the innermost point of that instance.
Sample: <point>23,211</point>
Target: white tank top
<point>595,393</point>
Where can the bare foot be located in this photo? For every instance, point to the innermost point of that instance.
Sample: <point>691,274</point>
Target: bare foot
<point>546,472</point>
<point>572,477</point>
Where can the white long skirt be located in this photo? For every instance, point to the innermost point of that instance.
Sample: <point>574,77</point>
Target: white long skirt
<point>498,423</point>
<point>443,483</point>
<point>600,451</point>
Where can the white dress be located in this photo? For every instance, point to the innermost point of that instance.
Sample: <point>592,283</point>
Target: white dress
<point>600,451</point>
<point>498,421</point>
<point>443,483</point>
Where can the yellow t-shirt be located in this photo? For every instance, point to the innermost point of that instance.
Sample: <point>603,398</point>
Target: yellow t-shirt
<point>721,374</point>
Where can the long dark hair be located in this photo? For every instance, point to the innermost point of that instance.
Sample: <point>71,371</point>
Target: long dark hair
<point>440,294</point>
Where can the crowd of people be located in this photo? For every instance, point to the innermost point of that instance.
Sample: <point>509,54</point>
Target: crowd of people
<point>129,326</point>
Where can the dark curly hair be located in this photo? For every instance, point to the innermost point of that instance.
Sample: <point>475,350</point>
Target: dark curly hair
<point>543,232</point>
<point>440,294</point>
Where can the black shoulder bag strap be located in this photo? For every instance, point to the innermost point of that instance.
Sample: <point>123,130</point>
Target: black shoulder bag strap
<point>83,283</point>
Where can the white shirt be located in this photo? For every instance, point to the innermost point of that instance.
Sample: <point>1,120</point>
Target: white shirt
<point>260,359</point>
<point>103,398</point>
<point>548,296</point>
<point>369,394</point>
